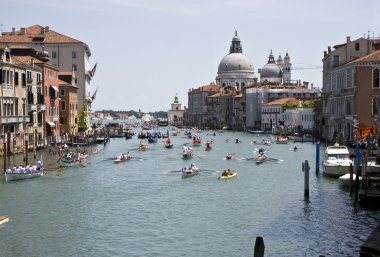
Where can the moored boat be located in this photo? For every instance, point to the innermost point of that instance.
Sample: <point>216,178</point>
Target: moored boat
<point>208,145</point>
<point>168,143</point>
<point>337,160</point>
<point>345,179</point>
<point>229,156</point>
<point>3,219</point>
<point>282,139</point>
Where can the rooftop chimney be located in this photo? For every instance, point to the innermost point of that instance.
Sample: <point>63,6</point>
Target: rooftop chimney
<point>13,30</point>
<point>46,29</point>
<point>329,49</point>
<point>22,31</point>
<point>348,39</point>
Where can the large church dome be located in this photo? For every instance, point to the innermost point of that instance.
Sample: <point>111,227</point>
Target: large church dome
<point>235,69</point>
<point>235,62</point>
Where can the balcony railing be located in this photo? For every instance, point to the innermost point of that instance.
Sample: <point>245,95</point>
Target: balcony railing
<point>55,118</point>
<point>42,107</point>
<point>32,107</point>
<point>14,119</point>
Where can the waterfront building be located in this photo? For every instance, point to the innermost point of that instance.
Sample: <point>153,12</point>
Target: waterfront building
<point>259,94</point>
<point>13,103</point>
<point>235,69</point>
<point>197,101</point>
<point>68,109</point>
<point>224,109</point>
<point>350,89</point>
<point>175,114</point>
<point>65,52</point>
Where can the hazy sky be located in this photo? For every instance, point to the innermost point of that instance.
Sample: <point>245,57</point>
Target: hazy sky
<point>149,50</point>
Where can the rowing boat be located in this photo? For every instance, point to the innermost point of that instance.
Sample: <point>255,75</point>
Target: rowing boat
<point>231,175</point>
<point>261,159</point>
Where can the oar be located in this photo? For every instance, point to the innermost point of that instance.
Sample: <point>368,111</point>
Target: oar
<point>275,160</point>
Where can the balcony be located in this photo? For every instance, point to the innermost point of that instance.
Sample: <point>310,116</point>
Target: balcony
<point>32,107</point>
<point>55,118</point>
<point>14,119</point>
<point>41,108</point>
<point>29,80</point>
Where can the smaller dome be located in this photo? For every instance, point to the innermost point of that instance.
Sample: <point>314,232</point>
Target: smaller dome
<point>279,60</point>
<point>271,70</point>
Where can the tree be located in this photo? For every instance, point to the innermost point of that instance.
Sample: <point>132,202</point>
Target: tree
<point>82,120</point>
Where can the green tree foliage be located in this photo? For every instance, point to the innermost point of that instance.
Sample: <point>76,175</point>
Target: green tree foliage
<point>82,120</point>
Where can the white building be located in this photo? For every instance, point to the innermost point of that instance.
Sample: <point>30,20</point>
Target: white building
<point>175,114</point>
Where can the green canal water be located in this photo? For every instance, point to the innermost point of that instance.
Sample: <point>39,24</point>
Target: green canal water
<point>144,208</point>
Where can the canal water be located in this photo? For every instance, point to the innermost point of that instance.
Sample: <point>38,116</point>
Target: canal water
<point>144,208</point>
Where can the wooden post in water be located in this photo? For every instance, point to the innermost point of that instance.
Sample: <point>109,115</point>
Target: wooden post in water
<point>4,156</point>
<point>306,168</point>
<point>259,247</point>
<point>317,158</point>
<point>351,179</point>
<point>26,152</point>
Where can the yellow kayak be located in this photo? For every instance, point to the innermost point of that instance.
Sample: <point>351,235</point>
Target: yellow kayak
<point>228,176</point>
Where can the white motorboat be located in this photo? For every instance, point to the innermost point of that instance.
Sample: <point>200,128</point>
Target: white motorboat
<point>337,160</point>
<point>345,179</point>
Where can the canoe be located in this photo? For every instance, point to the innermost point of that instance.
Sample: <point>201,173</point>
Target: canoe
<point>261,160</point>
<point>189,174</point>
<point>121,160</point>
<point>228,176</point>
<point>4,219</point>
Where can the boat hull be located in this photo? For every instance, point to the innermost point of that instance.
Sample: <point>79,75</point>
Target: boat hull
<point>336,170</point>
<point>19,176</point>
<point>228,176</point>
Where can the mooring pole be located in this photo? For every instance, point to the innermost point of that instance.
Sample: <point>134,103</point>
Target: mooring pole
<point>351,179</point>
<point>306,168</point>
<point>26,152</point>
<point>4,156</point>
<point>259,247</point>
<point>317,157</point>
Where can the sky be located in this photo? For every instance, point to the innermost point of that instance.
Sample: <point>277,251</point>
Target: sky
<point>147,51</point>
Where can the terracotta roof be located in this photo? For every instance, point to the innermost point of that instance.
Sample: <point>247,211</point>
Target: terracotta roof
<point>34,34</point>
<point>211,87</point>
<point>283,101</point>
<point>373,57</point>
<point>26,60</point>
<point>215,95</point>
<point>61,82</point>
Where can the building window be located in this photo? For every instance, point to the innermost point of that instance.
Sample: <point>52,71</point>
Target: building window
<point>74,55</point>
<point>376,78</point>
<point>63,105</point>
<point>53,54</point>
<point>357,47</point>
<point>336,60</point>
<point>62,120</point>
<point>16,79</point>
<point>62,91</point>
<point>74,67</point>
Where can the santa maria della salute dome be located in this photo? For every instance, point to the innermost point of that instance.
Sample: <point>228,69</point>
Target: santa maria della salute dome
<point>235,69</point>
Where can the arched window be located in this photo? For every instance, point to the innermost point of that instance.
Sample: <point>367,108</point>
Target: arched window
<point>376,78</point>
<point>357,47</point>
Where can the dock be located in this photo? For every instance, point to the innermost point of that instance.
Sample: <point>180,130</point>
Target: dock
<point>371,247</point>
<point>4,219</point>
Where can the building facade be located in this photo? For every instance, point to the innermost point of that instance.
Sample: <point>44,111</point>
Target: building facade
<point>175,114</point>
<point>350,89</point>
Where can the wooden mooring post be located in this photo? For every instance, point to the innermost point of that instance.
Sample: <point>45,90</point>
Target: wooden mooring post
<point>259,247</point>
<point>351,179</point>
<point>26,152</point>
<point>317,157</point>
<point>4,156</point>
<point>306,169</point>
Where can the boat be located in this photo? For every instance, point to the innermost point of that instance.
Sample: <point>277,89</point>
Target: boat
<point>190,172</point>
<point>96,151</point>
<point>208,145</point>
<point>122,158</point>
<point>282,140</point>
<point>197,141</point>
<point>68,163</point>
<point>345,179</point>
<point>230,174</point>
<point>229,156</point>
<point>167,143</point>
<point>18,173</point>
<point>337,160</point>
<point>187,152</point>
<point>261,159</point>
<point>372,166</point>
<point>3,219</point>
<point>142,147</point>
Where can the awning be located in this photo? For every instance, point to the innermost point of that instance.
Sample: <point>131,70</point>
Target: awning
<point>54,87</point>
<point>51,124</point>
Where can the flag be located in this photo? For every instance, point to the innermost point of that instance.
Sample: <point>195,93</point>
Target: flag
<point>92,72</point>
<point>94,95</point>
